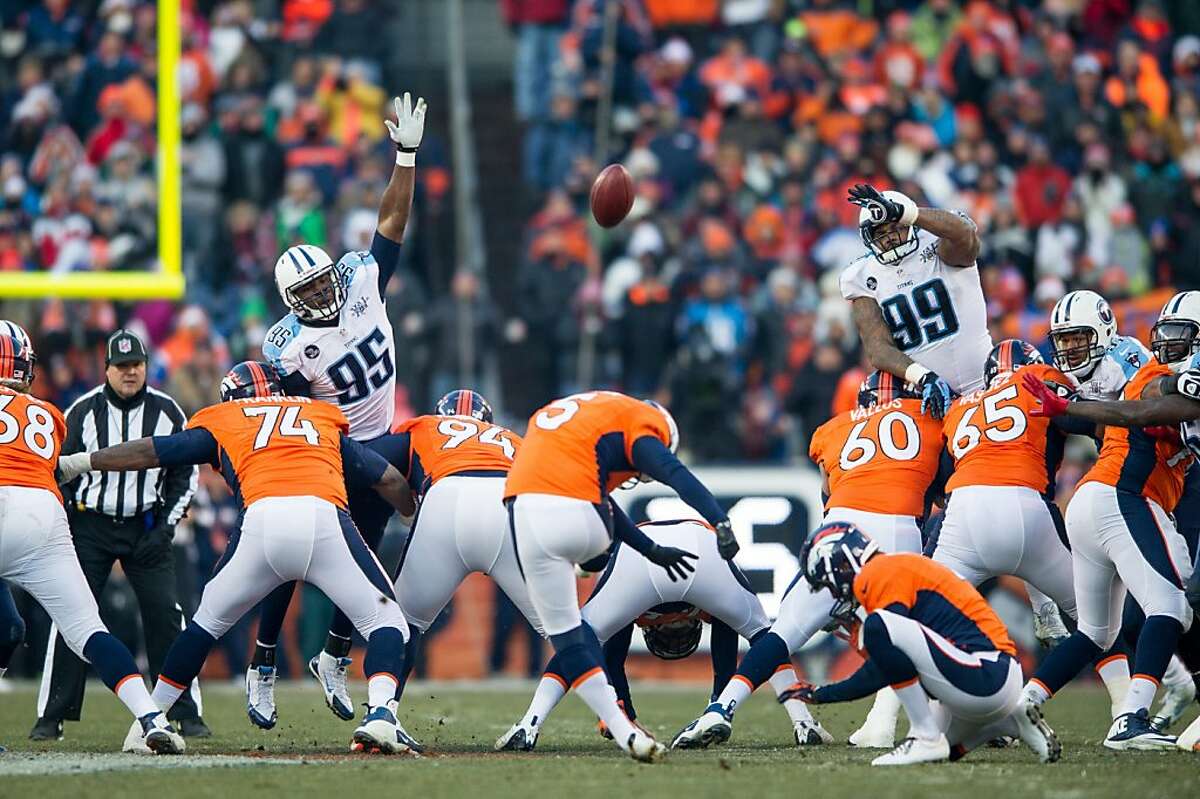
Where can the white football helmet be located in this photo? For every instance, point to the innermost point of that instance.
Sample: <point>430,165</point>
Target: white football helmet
<point>308,282</point>
<point>1176,334</point>
<point>1082,328</point>
<point>887,241</point>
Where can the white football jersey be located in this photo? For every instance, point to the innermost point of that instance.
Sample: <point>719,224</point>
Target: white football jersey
<point>1188,384</point>
<point>936,312</point>
<point>1118,366</point>
<point>350,364</point>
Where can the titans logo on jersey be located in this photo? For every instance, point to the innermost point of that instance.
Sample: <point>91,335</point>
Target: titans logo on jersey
<point>936,312</point>
<point>349,363</point>
<point>1118,366</point>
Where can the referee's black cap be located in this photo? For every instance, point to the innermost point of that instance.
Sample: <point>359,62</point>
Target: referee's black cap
<point>124,346</point>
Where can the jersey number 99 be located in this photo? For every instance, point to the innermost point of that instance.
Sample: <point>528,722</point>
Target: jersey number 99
<point>928,317</point>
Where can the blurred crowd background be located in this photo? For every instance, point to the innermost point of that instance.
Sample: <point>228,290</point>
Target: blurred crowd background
<point>1068,129</point>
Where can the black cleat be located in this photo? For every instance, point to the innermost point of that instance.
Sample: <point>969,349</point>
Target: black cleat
<point>193,728</point>
<point>47,730</point>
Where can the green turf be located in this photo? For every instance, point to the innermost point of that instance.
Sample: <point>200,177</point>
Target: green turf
<point>458,725</point>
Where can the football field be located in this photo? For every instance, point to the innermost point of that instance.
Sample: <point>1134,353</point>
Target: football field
<point>305,755</point>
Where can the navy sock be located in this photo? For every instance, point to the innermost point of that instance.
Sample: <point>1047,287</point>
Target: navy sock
<point>187,654</point>
<point>1155,646</point>
<point>766,655</point>
<point>575,653</point>
<point>270,621</point>
<point>1132,619</point>
<point>1189,648</point>
<point>554,666</point>
<point>410,658</point>
<point>1065,661</point>
<point>110,658</point>
<point>616,649</point>
<point>1119,647</point>
<point>888,658</point>
<point>385,653</point>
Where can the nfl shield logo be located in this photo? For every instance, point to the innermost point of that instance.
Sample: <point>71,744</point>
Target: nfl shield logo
<point>124,345</point>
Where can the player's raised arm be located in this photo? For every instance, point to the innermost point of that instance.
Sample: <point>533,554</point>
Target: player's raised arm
<point>406,133</point>
<point>884,355</point>
<point>959,242</point>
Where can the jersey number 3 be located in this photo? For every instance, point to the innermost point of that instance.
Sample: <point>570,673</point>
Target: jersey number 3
<point>363,369</point>
<point>928,317</point>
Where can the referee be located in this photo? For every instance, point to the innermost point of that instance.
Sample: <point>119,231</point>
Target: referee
<point>125,516</point>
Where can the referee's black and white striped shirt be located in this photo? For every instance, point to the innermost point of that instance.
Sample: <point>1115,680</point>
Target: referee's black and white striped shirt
<point>101,418</point>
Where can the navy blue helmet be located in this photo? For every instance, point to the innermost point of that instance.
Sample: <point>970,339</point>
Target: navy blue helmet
<point>16,361</point>
<point>250,379</point>
<point>1008,356</point>
<point>881,388</point>
<point>464,402</point>
<point>834,556</point>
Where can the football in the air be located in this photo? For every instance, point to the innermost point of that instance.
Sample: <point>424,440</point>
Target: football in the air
<point>612,195</point>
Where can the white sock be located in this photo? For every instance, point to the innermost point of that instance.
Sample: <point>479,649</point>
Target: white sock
<point>1037,600</point>
<point>736,692</point>
<point>133,694</point>
<point>166,694</point>
<point>1036,692</point>
<point>1140,694</point>
<point>549,693</point>
<point>593,688</point>
<point>381,688</point>
<point>1114,673</point>
<point>1176,673</point>
<point>920,717</point>
<point>783,677</point>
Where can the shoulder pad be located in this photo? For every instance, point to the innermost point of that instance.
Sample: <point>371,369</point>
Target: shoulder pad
<point>278,337</point>
<point>1188,383</point>
<point>348,266</point>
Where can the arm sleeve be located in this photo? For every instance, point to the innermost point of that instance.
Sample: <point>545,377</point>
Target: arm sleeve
<point>864,682</point>
<point>652,457</point>
<point>395,448</point>
<point>723,646</point>
<point>616,651</point>
<point>360,465</point>
<point>1074,425</point>
<point>186,448</point>
<point>625,530</point>
<point>387,254</point>
<point>179,482</point>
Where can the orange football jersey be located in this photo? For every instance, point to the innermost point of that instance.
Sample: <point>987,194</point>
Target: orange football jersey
<point>444,445</point>
<point>561,453</point>
<point>31,435</point>
<point>879,459</point>
<point>936,597</point>
<point>280,446</point>
<point>993,438</point>
<point>1135,462</point>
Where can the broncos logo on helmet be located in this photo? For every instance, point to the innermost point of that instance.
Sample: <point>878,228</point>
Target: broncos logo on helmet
<point>834,556</point>
<point>16,363</point>
<point>250,379</point>
<point>880,388</point>
<point>464,402</point>
<point>1007,357</point>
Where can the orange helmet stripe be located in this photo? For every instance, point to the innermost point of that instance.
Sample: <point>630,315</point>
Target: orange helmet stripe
<point>6,357</point>
<point>260,379</point>
<point>463,406</point>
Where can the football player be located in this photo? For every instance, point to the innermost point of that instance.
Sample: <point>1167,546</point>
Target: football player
<point>1000,516</point>
<point>36,552</point>
<point>928,634</point>
<point>671,613</point>
<point>287,460</point>
<point>577,450</point>
<point>879,462</point>
<point>337,345</point>
<point>1123,538</point>
<point>12,626</point>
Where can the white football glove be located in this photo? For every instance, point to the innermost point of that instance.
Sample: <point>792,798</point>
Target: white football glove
<point>72,466</point>
<point>407,130</point>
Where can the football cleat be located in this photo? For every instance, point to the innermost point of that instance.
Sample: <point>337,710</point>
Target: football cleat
<point>521,737</point>
<point>260,696</point>
<point>1176,699</point>
<point>876,732</point>
<point>644,748</point>
<point>1048,627</point>
<point>1134,731</point>
<point>330,671</point>
<point>713,727</point>
<point>47,730</point>
<point>810,733</point>
<point>916,750</point>
<point>379,732</point>
<point>1036,733</point>
<point>157,736</point>
<point>1189,739</point>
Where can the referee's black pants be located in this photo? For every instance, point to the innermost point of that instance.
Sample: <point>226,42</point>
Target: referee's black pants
<point>149,564</point>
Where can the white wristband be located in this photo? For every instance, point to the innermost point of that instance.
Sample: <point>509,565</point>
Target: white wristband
<point>909,217</point>
<point>914,373</point>
<point>406,159</point>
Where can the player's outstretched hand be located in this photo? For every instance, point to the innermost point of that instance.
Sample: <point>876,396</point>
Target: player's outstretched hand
<point>879,207</point>
<point>1050,404</point>
<point>727,544</point>
<point>935,395</point>
<point>802,690</point>
<point>409,127</point>
<point>673,560</point>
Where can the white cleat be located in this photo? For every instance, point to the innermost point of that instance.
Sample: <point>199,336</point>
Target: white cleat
<point>1177,697</point>
<point>875,733</point>
<point>379,732</point>
<point>644,748</point>
<point>810,733</point>
<point>331,673</point>
<point>521,737</point>
<point>260,696</point>
<point>713,727</point>
<point>152,734</point>
<point>916,750</point>
<point>1189,739</point>
<point>1036,733</point>
<point>1134,731</point>
<point>1048,627</point>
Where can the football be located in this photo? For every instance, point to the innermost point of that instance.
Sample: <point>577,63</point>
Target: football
<point>612,195</point>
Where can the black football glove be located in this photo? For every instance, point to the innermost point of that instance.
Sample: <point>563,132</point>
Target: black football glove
<point>879,207</point>
<point>727,543</point>
<point>936,395</point>
<point>673,560</point>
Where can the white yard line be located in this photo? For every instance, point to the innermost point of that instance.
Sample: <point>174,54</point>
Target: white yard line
<point>38,764</point>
